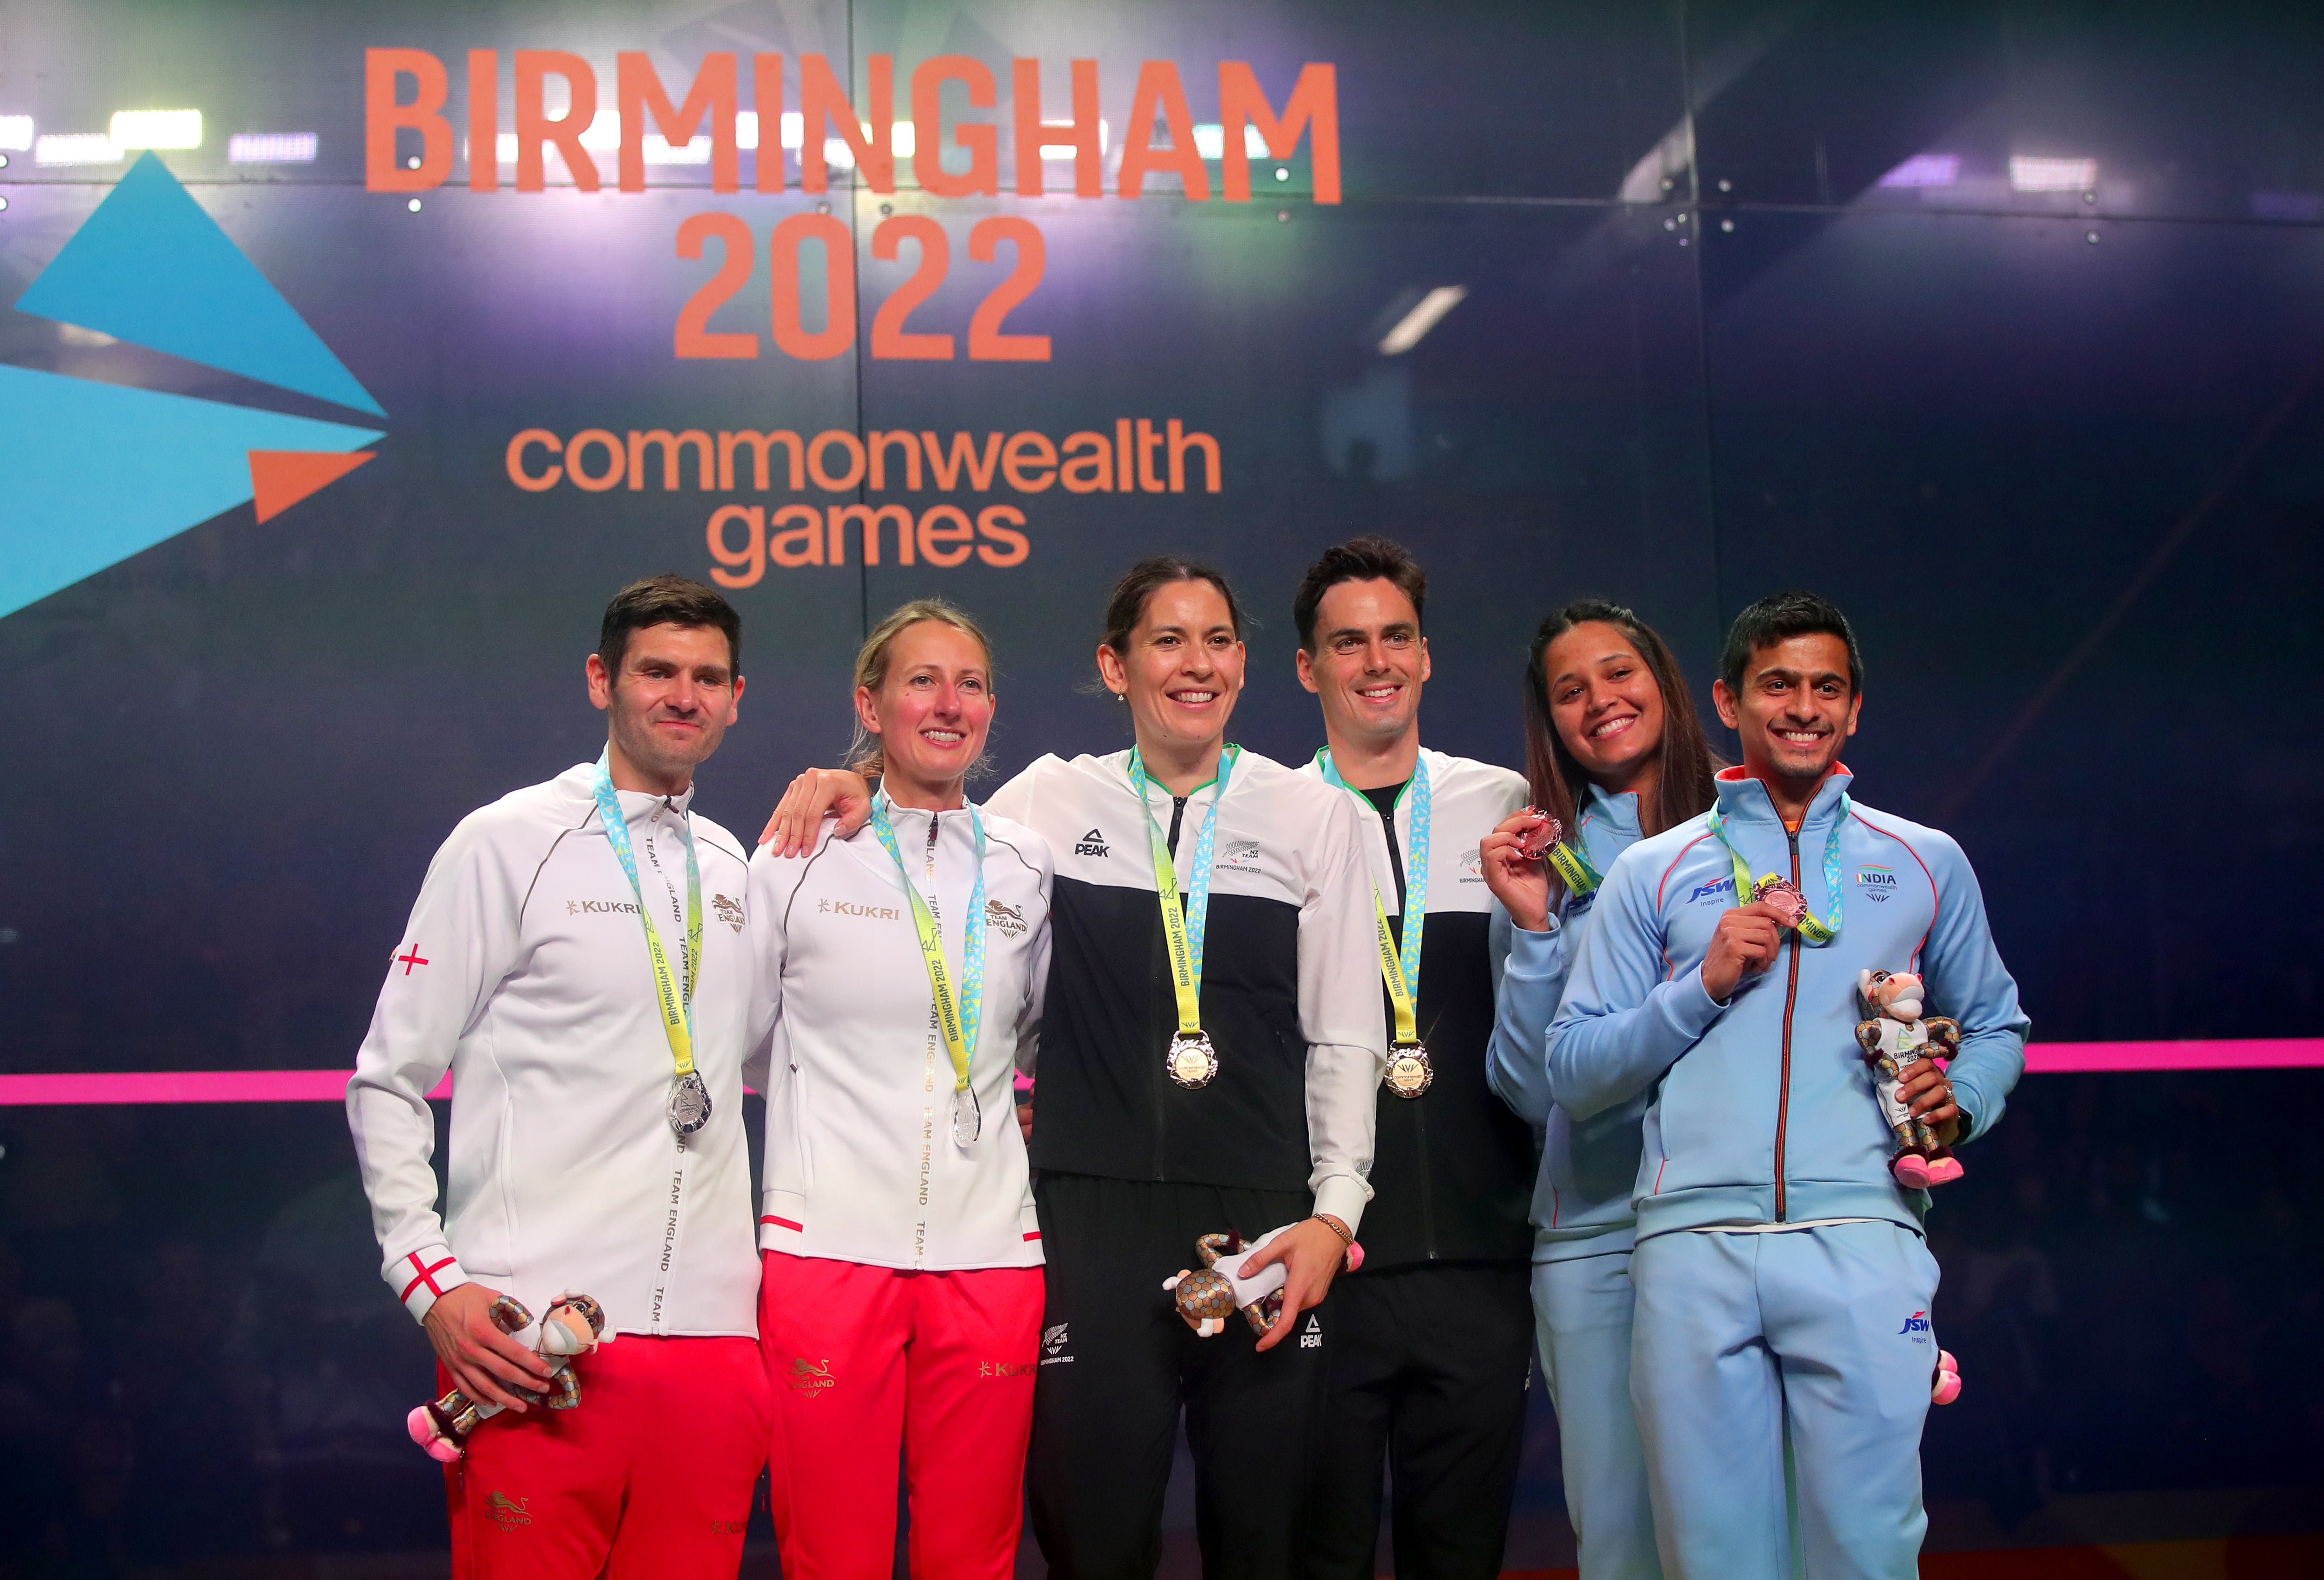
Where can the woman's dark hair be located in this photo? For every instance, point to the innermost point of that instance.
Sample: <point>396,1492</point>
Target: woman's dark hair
<point>1682,788</point>
<point>1142,580</point>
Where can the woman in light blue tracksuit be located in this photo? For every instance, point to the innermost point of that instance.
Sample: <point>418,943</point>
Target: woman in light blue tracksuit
<point>1612,742</point>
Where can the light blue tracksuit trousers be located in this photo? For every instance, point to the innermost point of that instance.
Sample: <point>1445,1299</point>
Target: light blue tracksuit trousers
<point>1734,1333</point>
<point>1581,1311</point>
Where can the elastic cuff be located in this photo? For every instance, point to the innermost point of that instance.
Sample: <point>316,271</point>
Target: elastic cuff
<point>1344,1199</point>
<point>420,1277</point>
<point>1533,955</point>
<point>1692,1007</point>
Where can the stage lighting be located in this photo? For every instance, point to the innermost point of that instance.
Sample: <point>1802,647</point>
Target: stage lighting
<point>2053,175</point>
<point>1924,170</point>
<point>271,148</point>
<point>76,148</point>
<point>1422,319</point>
<point>157,129</point>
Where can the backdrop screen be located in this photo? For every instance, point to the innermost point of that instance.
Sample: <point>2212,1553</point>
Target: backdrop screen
<point>357,354</point>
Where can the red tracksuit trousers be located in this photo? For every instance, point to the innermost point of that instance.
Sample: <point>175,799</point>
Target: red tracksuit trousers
<point>869,1360</point>
<point>648,1478</point>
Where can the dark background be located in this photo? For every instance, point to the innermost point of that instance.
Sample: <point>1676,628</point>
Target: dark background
<point>2056,452</point>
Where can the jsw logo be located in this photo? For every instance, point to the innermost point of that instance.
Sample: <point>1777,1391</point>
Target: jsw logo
<point>1724,886</point>
<point>1916,1322</point>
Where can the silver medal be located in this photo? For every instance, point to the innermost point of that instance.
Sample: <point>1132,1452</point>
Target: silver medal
<point>1409,1072</point>
<point>967,1118</point>
<point>1192,1061</point>
<point>689,1103</point>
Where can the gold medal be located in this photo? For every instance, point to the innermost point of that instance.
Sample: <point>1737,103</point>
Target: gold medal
<point>1409,1073</point>
<point>1192,1061</point>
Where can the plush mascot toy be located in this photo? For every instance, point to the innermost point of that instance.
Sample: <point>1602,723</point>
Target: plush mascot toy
<point>1208,1298</point>
<point>571,1328</point>
<point>1896,1036</point>
<point>1945,1386</point>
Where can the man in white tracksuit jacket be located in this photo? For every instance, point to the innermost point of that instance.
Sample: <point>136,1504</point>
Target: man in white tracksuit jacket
<point>529,971</point>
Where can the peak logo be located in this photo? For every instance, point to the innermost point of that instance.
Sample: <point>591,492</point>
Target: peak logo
<point>151,267</point>
<point>1091,844</point>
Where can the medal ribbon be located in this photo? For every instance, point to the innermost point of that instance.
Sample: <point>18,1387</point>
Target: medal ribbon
<point>1182,930</point>
<point>676,1002</point>
<point>1814,931</point>
<point>1580,878</point>
<point>1399,970</point>
<point>958,1019</point>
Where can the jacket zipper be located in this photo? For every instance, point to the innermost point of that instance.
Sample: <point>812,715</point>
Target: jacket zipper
<point>1791,997</point>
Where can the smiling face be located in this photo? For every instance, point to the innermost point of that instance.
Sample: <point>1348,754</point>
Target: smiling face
<point>1369,661</point>
<point>1604,701</point>
<point>1182,670</point>
<point>1794,711</point>
<point>669,708</point>
<point>932,712</point>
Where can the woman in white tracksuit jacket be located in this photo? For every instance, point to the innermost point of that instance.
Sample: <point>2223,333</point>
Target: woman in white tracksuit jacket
<point>1614,751</point>
<point>901,975</point>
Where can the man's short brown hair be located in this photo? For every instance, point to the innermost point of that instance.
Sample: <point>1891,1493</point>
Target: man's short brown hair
<point>666,600</point>
<point>1357,559</point>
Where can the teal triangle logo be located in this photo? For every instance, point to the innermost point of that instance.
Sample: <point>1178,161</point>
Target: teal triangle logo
<point>151,268</point>
<point>98,472</point>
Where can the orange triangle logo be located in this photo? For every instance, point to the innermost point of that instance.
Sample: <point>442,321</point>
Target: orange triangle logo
<point>279,479</point>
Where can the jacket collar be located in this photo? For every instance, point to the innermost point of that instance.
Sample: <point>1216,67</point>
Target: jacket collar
<point>1618,810</point>
<point>637,806</point>
<point>1744,799</point>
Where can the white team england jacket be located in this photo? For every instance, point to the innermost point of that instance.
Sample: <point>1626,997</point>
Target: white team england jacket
<point>861,1164</point>
<point>524,972</point>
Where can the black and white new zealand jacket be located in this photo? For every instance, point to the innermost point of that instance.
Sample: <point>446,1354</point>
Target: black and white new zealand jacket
<point>1454,1167</point>
<point>1289,995</point>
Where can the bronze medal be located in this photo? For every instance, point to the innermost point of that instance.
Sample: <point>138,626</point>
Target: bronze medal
<point>1192,1061</point>
<point>1409,1072</point>
<point>1785,897</point>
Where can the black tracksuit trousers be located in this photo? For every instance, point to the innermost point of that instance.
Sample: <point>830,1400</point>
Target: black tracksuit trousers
<point>1117,1364</point>
<point>1428,1366</point>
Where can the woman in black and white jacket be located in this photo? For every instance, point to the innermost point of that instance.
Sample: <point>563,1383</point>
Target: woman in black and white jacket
<point>903,968</point>
<point>1243,1105</point>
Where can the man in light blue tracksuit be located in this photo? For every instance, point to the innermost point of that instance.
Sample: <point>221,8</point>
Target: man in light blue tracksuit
<point>1779,1271</point>
<point>1582,1221</point>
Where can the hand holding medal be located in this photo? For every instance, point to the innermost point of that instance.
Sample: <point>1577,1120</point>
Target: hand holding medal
<point>1537,833</point>
<point>1783,896</point>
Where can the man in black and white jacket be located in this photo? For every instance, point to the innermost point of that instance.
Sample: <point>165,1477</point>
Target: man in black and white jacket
<point>1433,1336</point>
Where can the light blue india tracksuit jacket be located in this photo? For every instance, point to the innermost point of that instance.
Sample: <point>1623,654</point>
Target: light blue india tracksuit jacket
<point>1762,1109</point>
<point>1582,1222</point>
<point>1581,1196</point>
<point>1761,1113</point>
